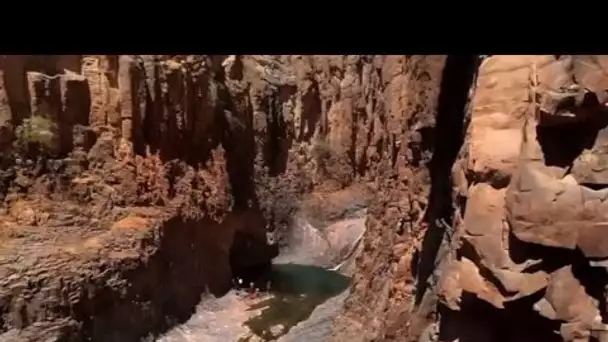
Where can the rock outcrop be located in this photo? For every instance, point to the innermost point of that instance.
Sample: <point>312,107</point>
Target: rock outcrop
<point>131,170</point>
<point>529,180</point>
<point>132,184</point>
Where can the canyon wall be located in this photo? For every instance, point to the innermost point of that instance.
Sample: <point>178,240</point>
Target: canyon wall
<point>485,206</point>
<point>393,297</point>
<point>116,169</point>
<point>513,241</point>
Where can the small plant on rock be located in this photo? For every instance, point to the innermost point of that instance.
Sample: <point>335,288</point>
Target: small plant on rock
<point>36,135</point>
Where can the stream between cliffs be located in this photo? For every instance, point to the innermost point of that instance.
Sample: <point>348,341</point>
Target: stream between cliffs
<point>265,316</point>
<point>305,289</point>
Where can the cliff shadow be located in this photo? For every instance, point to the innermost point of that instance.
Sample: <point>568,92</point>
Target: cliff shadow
<point>458,78</point>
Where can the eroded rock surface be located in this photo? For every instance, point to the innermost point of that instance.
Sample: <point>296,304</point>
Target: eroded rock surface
<point>530,219</point>
<point>156,167</point>
<point>154,178</point>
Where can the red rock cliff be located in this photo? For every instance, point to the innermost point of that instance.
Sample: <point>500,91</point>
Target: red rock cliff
<point>155,166</point>
<point>152,161</point>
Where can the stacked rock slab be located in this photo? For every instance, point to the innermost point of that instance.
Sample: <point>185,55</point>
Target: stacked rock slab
<point>532,172</point>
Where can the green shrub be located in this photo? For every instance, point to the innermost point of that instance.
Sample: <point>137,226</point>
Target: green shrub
<point>36,133</point>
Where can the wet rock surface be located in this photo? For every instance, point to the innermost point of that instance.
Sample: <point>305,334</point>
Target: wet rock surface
<point>319,326</point>
<point>327,230</point>
<point>216,320</point>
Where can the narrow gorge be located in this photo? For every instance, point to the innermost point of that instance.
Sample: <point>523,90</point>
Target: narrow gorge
<point>304,198</point>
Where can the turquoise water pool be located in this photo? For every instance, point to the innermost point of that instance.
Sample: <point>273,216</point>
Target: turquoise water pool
<point>297,290</point>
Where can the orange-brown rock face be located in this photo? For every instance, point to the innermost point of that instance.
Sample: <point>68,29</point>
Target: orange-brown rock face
<point>153,167</point>
<point>164,172</point>
<point>530,232</point>
<point>382,293</point>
